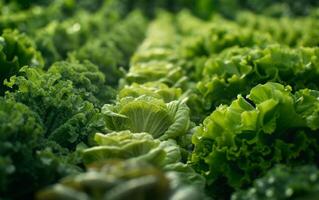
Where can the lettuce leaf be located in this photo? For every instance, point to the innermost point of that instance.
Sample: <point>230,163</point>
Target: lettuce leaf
<point>283,182</point>
<point>136,146</point>
<point>131,179</point>
<point>16,51</point>
<point>148,114</point>
<point>153,89</point>
<point>240,142</point>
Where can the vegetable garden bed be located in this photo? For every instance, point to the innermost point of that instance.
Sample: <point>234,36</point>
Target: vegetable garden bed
<point>178,100</point>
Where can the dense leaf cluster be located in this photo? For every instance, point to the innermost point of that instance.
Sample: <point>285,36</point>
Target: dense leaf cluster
<point>123,99</point>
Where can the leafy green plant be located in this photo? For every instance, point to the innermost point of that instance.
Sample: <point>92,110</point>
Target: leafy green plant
<point>283,182</point>
<point>16,51</point>
<point>124,179</point>
<point>240,142</point>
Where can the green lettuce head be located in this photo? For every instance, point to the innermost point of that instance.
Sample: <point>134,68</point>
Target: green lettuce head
<point>240,142</point>
<point>148,114</point>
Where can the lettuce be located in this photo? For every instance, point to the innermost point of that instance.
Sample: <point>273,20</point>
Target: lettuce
<point>240,142</point>
<point>148,114</point>
<point>236,71</point>
<point>155,59</point>
<point>282,182</point>
<point>136,146</point>
<point>293,32</point>
<point>153,89</point>
<point>16,50</point>
<point>124,179</point>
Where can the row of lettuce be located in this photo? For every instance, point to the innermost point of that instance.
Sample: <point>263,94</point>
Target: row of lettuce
<point>255,97</point>
<point>146,125</point>
<point>109,106</point>
<point>263,123</point>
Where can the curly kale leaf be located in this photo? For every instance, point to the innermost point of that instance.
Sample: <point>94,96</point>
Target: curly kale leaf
<point>27,160</point>
<point>68,118</point>
<point>50,39</point>
<point>112,50</point>
<point>87,79</point>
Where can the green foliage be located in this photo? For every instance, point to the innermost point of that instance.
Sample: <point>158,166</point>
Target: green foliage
<point>283,182</point>
<point>27,160</point>
<point>101,104</point>
<point>300,31</point>
<point>153,89</point>
<point>21,130</point>
<point>88,81</point>
<point>16,50</point>
<point>68,116</point>
<point>135,146</point>
<point>155,60</point>
<point>50,38</point>
<point>148,114</point>
<point>122,180</point>
<point>111,51</point>
<point>236,71</point>
<point>242,141</point>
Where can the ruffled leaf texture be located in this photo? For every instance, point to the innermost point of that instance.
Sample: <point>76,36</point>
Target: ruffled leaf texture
<point>27,159</point>
<point>112,51</point>
<point>237,70</point>
<point>57,96</point>
<point>16,51</point>
<point>240,142</point>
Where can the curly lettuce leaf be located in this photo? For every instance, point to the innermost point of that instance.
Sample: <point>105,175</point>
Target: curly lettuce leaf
<point>16,51</point>
<point>240,142</point>
<point>238,70</point>
<point>294,32</point>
